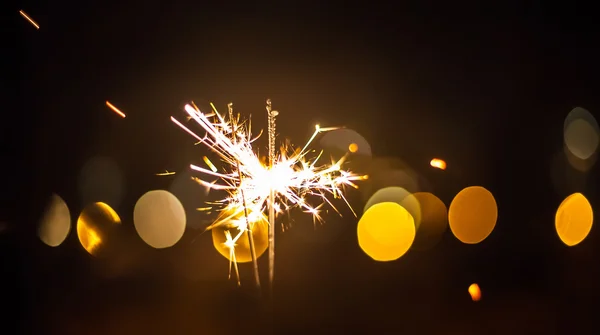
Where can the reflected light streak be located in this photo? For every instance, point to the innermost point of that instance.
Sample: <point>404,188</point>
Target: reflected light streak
<point>92,239</point>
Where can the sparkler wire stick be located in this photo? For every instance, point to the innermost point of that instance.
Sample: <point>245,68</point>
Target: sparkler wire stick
<point>271,114</point>
<point>248,226</point>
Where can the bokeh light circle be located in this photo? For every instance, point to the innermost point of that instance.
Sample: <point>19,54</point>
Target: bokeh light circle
<point>159,219</point>
<point>400,196</point>
<point>574,219</point>
<point>260,236</point>
<point>434,221</point>
<point>94,227</point>
<point>192,196</point>
<point>55,224</point>
<point>101,179</point>
<point>473,214</point>
<point>386,231</point>
<point>581,133</point>
<point>345,140</point>
<point>388,172</point>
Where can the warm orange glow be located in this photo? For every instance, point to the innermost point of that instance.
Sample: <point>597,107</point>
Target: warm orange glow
<point>29,19</point>
<point>353,147</point>
<point>386,231</point>
<point>434,221</point>
<point>400,196</point>
<point>574,219</point>
<point>475,292</point>
<point>93,225</point>
<point>115,109</point>
<point>238,250</point>
<point>472,215</point>
<point>438,163</point>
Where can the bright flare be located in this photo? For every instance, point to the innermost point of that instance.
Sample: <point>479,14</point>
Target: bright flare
<point>294,177</point>
<point>438,164</point>
<point>475,292</point>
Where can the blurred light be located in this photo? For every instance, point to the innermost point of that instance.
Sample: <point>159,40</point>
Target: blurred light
<point>192,195</point>
<point>346,140</point>
<point>94,225</point>
<point>581,133</point>
<point>438,163</point>
<point>400,196</point>
<point>386,231</point>
<point>260,235</point>
<point>581,165</point>
<point>115,109</point>
<point>56,222</point>
<point>569,176</point>
<point>388,172</point>
<point>29,19</point>
<point>101,179</point>
<point>159,219</point>
<point>473,214</point>
<point>574,219</point>
<point>434,221</point>
<point>475,292</point>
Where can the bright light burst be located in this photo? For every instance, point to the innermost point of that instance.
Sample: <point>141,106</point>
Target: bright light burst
<point>294,176</point>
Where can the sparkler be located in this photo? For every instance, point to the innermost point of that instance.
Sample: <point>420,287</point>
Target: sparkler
<point>271,114</point>
<point>286,182</point>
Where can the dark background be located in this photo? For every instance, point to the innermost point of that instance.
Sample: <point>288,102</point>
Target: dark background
<point>487,89</point>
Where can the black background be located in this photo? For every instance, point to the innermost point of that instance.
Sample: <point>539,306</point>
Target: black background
<point>485,87</point>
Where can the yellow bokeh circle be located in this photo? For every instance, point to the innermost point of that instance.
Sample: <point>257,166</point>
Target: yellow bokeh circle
<point>229,223</point>
<point>386,231</point>
<point>574,219</point>
<point>473,214</point>
<point>95,225</point>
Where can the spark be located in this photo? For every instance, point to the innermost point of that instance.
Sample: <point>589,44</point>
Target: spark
<point>438,163</point>
<point>166,173</point>
<point>210,164</point>
<point>23,14</point>
<point>115,109</point>
<point>292,176</point>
